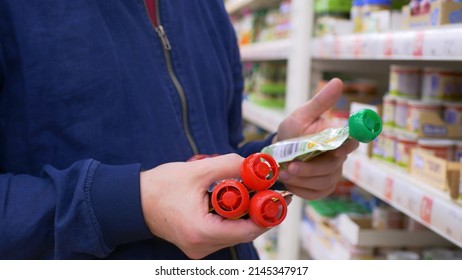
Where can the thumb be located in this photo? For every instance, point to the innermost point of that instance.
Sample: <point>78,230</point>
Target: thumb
<point>219,168</point>
<point>320,103</point>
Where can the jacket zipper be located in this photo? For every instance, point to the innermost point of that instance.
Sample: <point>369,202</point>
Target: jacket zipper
<point>152,7</point>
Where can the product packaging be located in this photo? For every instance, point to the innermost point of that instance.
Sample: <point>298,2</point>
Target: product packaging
<point>405,81</point>
<point>250,196</point>
<point>431,14</point>
<point>364,126</point>
<point>436,171</point>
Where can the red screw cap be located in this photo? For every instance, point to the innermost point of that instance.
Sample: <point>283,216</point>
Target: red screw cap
<point>259,171</point>
<point>267,208</point>
<point>230,199</point>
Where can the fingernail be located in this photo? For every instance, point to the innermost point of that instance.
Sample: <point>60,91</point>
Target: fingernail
<point>284,176</point>
<point>294,169</point>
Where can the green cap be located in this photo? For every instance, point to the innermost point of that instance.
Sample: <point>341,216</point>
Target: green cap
<point>365,125</point>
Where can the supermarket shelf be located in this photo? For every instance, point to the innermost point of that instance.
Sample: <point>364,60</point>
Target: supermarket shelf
<point>268,119</point>
<point>274,50</point>
<point>411,196</point>
<point>438,44</point>
<point>313,245</point>
<point>234,6</point>
<point>319,247</point>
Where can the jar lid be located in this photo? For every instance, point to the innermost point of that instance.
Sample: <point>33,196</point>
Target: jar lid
<point>452,104</point>
<point>451,73</point>
<point>377,2</point>
<point>458,142</point>
<point>405,138</point>
<point>386,134</point>
<point>402,100</point>
<point>405,68</point>
<point>436,142</point>
<point>389,97</point>
<point>402,255</point>
<point>433,69</point>
<point>432,103</point>
<point>365,125</point>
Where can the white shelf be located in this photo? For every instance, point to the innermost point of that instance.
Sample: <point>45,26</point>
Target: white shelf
<point>439,44</point>
<point>234,6</point>
<point>268,119</point>
<point>320,247</point>
<point>411,196</point>
<point>274,50</point>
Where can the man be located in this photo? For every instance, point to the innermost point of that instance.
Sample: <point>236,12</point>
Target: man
<point>101,104</point>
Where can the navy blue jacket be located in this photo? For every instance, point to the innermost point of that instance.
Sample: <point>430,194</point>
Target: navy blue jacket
<point>87,100</point>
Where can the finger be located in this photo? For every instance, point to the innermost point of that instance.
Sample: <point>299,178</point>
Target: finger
<point>288,199</point>
<point>314,183</point>
<point>319,166</point>
<point>320,103</point>
<point>233,231</point>
<point>313,194</point>
<point>347,147</point>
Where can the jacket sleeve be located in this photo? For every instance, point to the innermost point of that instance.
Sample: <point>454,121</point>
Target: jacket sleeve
<point>2,67</point>
<point>81,212</point>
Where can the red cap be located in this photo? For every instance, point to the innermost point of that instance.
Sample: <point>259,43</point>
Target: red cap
<point>267,208</point>
<point>259,171</point>
<point>230,199</point>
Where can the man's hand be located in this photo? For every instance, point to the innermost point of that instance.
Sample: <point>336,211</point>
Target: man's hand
<point>175,205</point>
<point>318,177</point>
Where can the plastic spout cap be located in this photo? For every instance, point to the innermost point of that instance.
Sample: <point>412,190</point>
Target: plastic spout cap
<point>365,125</point>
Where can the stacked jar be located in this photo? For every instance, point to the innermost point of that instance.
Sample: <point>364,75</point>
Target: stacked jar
<point>389,146</point>
<point>453,113</point>
<point>416,109</point>
<point>458,152</point>
<point>378,146</point>
<point>416,99</point>
<point>369,7</point>
<point>442,148</point>
<point>388,115</point>
<point>400,113</point>
<point>441,84</point>
<point>405,81</point>
<point>403,149</point>
<point>356,15</point>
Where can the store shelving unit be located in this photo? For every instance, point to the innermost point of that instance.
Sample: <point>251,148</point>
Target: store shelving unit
<point>294,50</point>
<point>424,203</point>
<point>277,50</point>
<point>307,57</point>
<point>268,119</point>
<point>435,44</point>
<point>234,6</point>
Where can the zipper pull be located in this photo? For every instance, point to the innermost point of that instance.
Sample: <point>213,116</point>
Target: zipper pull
<point>163,37</point>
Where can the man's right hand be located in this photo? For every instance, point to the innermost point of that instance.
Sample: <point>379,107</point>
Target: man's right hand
<point>175,204</point>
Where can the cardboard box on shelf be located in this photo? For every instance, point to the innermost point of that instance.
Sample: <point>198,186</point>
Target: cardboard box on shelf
<point>431,125</point>
<point>440,13</point>
<point>358,231</point>
<point>437,172</point>
<point>319,248</point>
